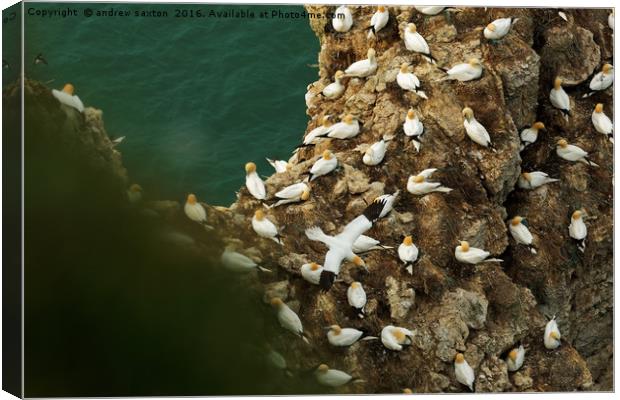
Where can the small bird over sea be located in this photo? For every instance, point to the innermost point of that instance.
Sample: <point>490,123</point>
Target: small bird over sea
<point>311,272</point>
<point>67,97</point>
<point>292,194</point>
<point>601,122</point>
<point>472,255</point>
<point>408,253</point>
<point>264,227</point>
<point>552,335</point>
<point>534,179</point>
<point>336,88</point>
<point>530,135</point>
<point>343,337</point>
<point>196,212</point>
<point>333,377</point>
<point>520,232</point>
<point>419,184</point>
<point>515,358</point>
<point>279,165</point>
<point>363,68</point>
<point>463,372</point>
<point>408,81</point>
<point>578,229</point>
<point>288,319</point>
<point>559,99</point>
<point>602,80</point>
<point>465,72</point>
<point>324,165</point>
<point>343,19</point>
<point>413,127</point>
<point>415,42</point>
<point>395,337</point>
<point>253,182</point>
<point>356,296</point>
<point>39,59</point>
<point>571,152</point>
<point>237,262</point>
<point>499,28</point>
<point>474,129</point>
<point>378,21</point>
<point>348,128</point>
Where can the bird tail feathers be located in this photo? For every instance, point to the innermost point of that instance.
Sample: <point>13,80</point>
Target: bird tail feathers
<point>493,260</point>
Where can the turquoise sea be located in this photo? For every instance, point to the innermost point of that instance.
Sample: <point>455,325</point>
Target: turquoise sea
<point>197,93</point>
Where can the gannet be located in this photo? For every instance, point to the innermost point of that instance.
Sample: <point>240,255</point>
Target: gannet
<point>552,335</point>
<point>341,245</point>
<point>610,20</point>
<point>474,129</point>
<point>407,391</point>
<point>311,92</point>
<point>66,97</point>
<point>333,377</point>
<point>39,59</point>
<point>345,129</point>
<point>532,180</point>
<point>378,21</point>
<point>293,193</point>
<point>134,193</point>
<point>253,182</point>
<point>366,243</point>
<point>601,122</point>
<point>408,253</point>
<point>559,99</point>
<point>571,152</point>
<point>288,319</point>
<point>356,296</point>
<point>395,337</point>
<point>363,68</point>
<point>530,135</point>
<point>324,165</point>
<point>463,372</point>
<point>515,358</point>
<point>520,232</point>
<point>279,165</point>
<point>472,255</point>
<point>602,80</point>
<point>418,184</point>
<point>465,72</point>
<point>578,229</point>
<point>311,272</point>
<point>413,127</point>
<point>320,130</point>
<point>499,28</point>
<point>342,337</point>
<point>342,20</point>
<point>408,81</point>
<point>388,201</point>
<point>265,228</point>
<point>336,88</point>
<point>196,212</point>
<point>415,42</point>
<point>429,10</point>
<point>375,153</point>
<point>238,262</point>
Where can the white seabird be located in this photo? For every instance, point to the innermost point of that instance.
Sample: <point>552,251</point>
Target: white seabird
<point>552,335</point>
<point>388,201</point>
<point>407,80</point>
<point>311,272</point>
<point>292,194</point>
<point>196,212</point>
<point>474,129</point>
<point>264,227</point>
<point>602,80</point>
<point>515,358</point>
<point>465,72</point>
<point>279,165</point>
<point>429,10</point>
<point>559,99</point>
<point>601,122</point>
<point>534,179</point>
<point>378,21</point>
<point>333,377</point>
<point>324,165</point>
<point>321,130</point>
<point>343,19</point>
<point>418,184</point>
<point>530,135</point>
<point>499,28</point>
<point>343,337</point>
<point>356,296</point>
<point>363,68</point>
<point>67,97</point>
<point>408,253</point>
<point>578,229</point>
<point>366,243</point>
<point>375,153</point>
<point>345,129</point>
<point>571,152</point>
<point>253,182</point>
<point>336,88</point>
<point>238,262</point>
<point>413,127</point>
<point>472,255</point>
<point>395,337</point>
<point>463,372</point>
<point>415,42</point>
<point>288,319</point>
<point>520,232</point>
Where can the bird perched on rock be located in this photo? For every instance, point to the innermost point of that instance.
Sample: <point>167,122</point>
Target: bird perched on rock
<point>465,72</point>
<point>429,10</point>
<point>388,201</point>
<point>474,129</point>
<point>419,184</point>
<point>279,165</point>
<point>343,19</point>
<point>238,262</point>
<point>571,152</point>
<point>378,21</point>
<point>134,193</point>
<point>336,88</point>
<point>407,80</point>
<point>288,319</point>
<point>552,335</point>
<point>413,127</point>
<point>196,212</point>
<point>343,337</point>
<point>365,243</point>
<point>499,28</point>
<point>602,80</point>
<point>578,229</point>
<point>341,245</point>
<point>333,377</point>
<point>345,129</point>
<point>408,253</point>
<point>376,152</point>
<point>559,99</point>
<point>472,255</point>
<point>530,135</point>
<point>610,20</point>
<point>311,95</point>
<point>311,272</point>
<point>601,122</point>
<point>520,232</point>
<point>67,97</point>
<point>363,68</point>
<point>415,42</point>
<point>515,358</point>
<point>324,165</point>
<point>253,182</point>
<point>321,130</point>
<point>534,179</point>
<point>395,337</point>
<point>356,296</point>
<point>293,193</point>
<point>463,372</point>
<point>265,228</point>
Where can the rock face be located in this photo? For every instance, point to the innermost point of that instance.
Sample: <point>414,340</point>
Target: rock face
<point>485,310</point>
